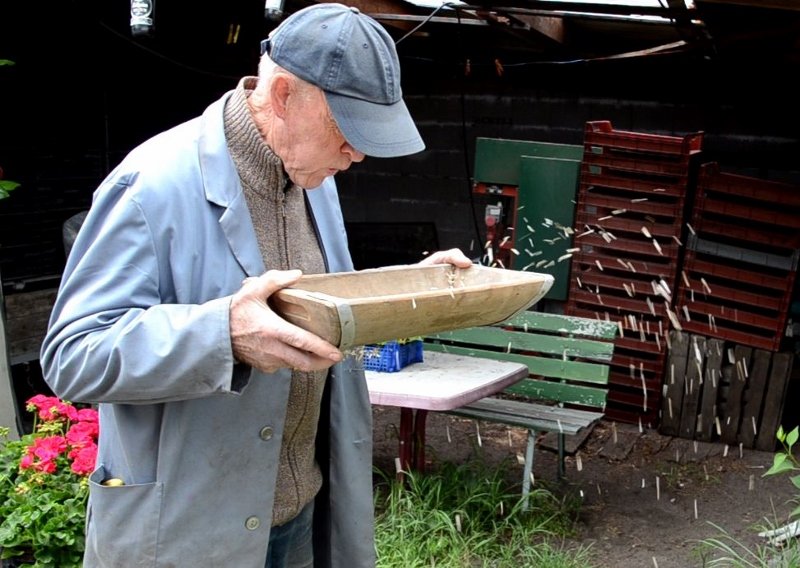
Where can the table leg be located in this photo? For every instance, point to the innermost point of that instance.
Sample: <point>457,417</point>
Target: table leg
<point>419,440</point>
<point>406,440</point>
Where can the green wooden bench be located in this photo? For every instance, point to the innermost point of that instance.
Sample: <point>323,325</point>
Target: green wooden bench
<point>566,390</point>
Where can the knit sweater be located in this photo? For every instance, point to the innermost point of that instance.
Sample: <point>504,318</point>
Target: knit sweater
<point>287,240</point>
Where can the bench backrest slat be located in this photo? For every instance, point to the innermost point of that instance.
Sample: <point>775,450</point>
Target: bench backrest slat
<point>544,366</point>
<point>567,393</point>
<point>563,368</point>
<point>538,321</point>
<point>528,341</point>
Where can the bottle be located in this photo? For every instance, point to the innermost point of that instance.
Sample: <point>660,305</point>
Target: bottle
<point>142,17</point>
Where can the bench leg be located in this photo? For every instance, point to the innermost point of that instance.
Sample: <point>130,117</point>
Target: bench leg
<point>526,474</point>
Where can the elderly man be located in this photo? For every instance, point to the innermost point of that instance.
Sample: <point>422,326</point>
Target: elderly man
<point>230,437</point>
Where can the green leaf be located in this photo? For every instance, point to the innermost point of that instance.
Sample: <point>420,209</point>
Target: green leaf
<point>779,465</point>
<point>6,187</point>
<point>791,437</point>
<point>6,62</point>
<point>795,481</point>
<point>780,434</point>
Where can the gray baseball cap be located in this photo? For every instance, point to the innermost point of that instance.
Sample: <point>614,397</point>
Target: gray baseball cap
<point>353,60</point>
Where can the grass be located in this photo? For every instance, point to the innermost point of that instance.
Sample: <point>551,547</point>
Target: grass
<point>725,551</point>
<point>466,516</point>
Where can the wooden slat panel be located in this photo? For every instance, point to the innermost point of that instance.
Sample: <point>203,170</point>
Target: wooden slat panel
<point>674,382</point>
<point>693,385</point>
<point>711,379</point>
<point>774,400</point>
<point>733,404</point>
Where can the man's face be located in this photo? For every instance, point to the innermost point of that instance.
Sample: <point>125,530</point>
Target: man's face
<point>314,146</point>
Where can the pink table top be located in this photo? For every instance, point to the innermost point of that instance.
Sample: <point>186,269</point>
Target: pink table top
<point>443,381</point>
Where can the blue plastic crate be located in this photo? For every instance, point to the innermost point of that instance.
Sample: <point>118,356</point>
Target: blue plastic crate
<point>391,356</point>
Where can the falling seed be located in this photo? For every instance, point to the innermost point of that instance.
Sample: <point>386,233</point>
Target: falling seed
<point>669,404</point>
<point>531,229</point>
<point>646,233</point>
<point>515,251</point>
<point>604,218</point>
<point>706,287</point>
<point>691,229</point>
<point>705,471</point>
<point>638,200</point>
<point>725,451</point>
<point>630,266</point>
<point>627,289</point>
<point>414,303</point>
<point>397,467</point>
<point>478,434</point>
<point>741,450</point>
<point>658,189</point>
<point>655,562</point>
<point>576,249</point>
<point>752,484</point>
<point>658,489</point>
<point>755,429</point>
<point>520,458</point>
<point>600,266</point>
<point>618,211</point>
<point>673,318</point>
<point>614,431</point>
<point>685,279</point>
<point>551,264</point>
<point>578,280</point>
<point>677,240</point>
<point>458,522</point>
<point>644,485</point>
<point>578,462</point>
<point>509,438</point>
<point>505,239</point>
<point>695,509</point>
<point>447,429</point>
<point>686,313</point>
<point>657,247</point>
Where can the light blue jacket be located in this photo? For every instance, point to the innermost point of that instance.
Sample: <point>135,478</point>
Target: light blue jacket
<point>141,326</point>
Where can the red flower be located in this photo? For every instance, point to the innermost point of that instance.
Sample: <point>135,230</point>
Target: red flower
<point>87,415</point>
<point>83,459</point>
<point>49,448</point>
<point>82,433</point>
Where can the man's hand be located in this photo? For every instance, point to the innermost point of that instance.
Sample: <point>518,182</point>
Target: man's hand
<point>453,256</point>
<point>264,340</point>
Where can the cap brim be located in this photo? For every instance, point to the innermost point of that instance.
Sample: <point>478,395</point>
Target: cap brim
<point>382,131</point>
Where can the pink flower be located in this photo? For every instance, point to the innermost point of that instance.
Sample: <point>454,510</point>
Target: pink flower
<point>87,415</point>
<point>45,466</point>
<point>83,459</point>
<point>82,433</point>
<point>26,462</point>
<point>48,448</point>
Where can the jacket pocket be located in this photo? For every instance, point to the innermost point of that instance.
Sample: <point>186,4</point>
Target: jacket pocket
<point>122,522</point>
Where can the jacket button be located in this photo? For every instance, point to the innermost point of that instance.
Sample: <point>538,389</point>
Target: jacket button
<point>266,433</point>
<point>252,523</point>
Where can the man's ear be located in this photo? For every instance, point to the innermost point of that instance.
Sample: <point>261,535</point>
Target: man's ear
<point>279,90</point>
